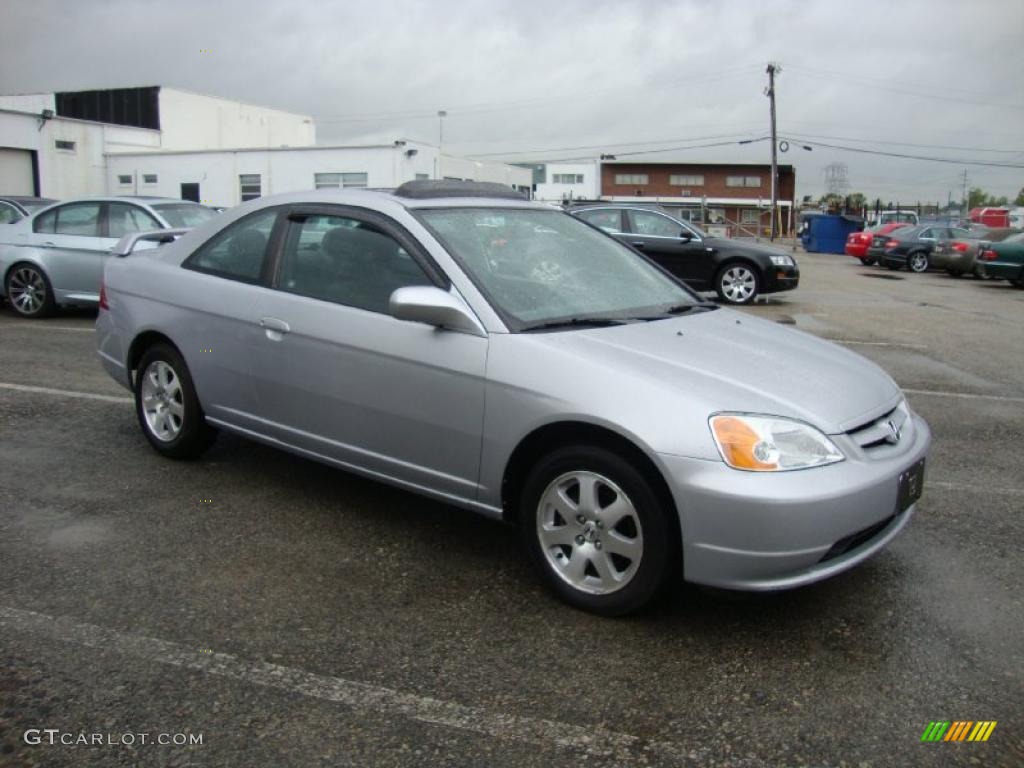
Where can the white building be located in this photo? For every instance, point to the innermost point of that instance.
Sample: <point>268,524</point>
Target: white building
<point>170,142</point>
<point>564,182</point>
<point>228,177</point>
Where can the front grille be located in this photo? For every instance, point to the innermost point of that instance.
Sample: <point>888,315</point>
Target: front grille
<point>854,540</point>
<point>887,431</point>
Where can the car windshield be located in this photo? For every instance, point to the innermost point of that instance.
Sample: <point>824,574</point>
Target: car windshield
<point>184,214</point>
<point>542,267</point>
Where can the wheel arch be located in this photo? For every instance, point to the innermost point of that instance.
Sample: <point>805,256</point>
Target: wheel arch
<point>140,344</point>
<point>552,436</point>
<point>32,260</point>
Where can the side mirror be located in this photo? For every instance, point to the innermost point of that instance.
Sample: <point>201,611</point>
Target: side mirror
<point>430,305</point>
<point>686,236</point>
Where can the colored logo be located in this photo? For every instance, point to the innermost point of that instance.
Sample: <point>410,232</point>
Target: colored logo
<point>958,730</point>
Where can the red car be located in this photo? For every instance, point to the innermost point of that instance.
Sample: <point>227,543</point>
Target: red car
<point>858,243</point>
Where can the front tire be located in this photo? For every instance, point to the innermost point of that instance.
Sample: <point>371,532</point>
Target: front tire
<point>737,283</point>
<point>596,530</point>
<point>866,261</point>
<point>29,291</point>
<point>918,262</point>
<point>167,406</point>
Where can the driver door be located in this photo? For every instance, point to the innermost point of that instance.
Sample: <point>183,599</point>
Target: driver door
<point>661,238</point>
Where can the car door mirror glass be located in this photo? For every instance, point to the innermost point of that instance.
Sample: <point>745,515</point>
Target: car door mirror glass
<point>686,236</point>
<point>430,305</point>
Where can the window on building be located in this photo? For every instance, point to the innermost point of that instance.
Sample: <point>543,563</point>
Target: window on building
<point>752,181</point>
<point>734,181</point>
<point>237,252</point>
<point>149,178</point>
<point>249,186</point>
<point>631,178</point>
<point>65,145</point>
<point>339,180</point>
<point>686,180</point>
<point>750,216</point>
<point>124,179</point>
<point>567,178</point>
<point>346,261</point>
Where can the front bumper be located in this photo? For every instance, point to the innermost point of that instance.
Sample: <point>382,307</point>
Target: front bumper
<point>766,531</point>
<point>778,279</point>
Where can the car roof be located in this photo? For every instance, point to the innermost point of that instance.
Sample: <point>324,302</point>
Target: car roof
<point>378,197</point>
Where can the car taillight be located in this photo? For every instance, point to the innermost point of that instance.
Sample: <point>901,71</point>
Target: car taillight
<point>962,247</point>
<point>891,243</point>
<point>103,296</point>
<point>988,255</point>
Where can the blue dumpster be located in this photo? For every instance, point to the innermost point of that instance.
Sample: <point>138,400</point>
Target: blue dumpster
<point>827,233</point>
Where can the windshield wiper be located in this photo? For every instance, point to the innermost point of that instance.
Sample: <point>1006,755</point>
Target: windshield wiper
<point>678,309</point>
<point>574,322</point>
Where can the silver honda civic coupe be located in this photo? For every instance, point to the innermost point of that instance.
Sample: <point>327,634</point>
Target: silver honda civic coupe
<point>455,340</point>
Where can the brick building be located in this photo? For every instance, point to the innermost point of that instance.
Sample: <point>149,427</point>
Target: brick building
<point>733,195</point>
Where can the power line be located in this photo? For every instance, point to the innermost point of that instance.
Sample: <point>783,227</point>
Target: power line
<point>604,146</point>
<point>731,143</point>
<point>908,144</point>
<point>863,151</point>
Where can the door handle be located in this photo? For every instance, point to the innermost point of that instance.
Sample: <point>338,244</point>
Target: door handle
<point>638,244</point>
<point>48,242</point>
<point>274,328</point>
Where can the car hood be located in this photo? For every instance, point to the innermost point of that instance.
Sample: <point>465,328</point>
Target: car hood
<point>728,361</point>
<point>747,249</point>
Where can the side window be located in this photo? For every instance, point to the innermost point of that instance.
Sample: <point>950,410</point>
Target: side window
<point>8,214</point>
<point>928,234</point>
<point>45,223</point>
<point>610,220</point>
<point>81,219</point>
<point>645,223</point>
<point>123,219</point>
<point>346,261</point>
<point>237,252</point>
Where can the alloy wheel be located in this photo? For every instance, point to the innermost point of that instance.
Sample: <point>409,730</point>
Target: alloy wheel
<point>589,532</point>
<point>163,401</point>
<point>918,262</point>
<point>26,290</point>
<point>738,284</point>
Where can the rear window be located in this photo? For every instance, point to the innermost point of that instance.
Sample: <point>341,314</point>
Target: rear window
<point>184,214</point>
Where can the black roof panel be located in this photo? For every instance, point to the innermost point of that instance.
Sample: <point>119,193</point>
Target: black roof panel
<point>425,189</point>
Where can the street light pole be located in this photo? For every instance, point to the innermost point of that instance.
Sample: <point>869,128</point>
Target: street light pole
<point>772,69</point>
<point>441,115</point>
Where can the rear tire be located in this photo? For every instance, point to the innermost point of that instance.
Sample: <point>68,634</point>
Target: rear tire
<point>955,272</point>
<point>29,291</point>
<point>867,262</point>
<point>918,262</point>
<point>596,530</point>
<point>167,406</point>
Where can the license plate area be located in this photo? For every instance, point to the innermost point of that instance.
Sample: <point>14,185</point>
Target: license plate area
<point>911,486</point>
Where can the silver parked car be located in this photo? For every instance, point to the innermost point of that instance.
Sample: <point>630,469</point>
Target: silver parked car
<point>54,256</point>
<point>457,341</point>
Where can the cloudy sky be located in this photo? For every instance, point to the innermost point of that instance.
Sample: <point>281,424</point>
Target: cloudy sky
<point>552,79</point>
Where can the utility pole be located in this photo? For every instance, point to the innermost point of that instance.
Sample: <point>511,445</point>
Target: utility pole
<point>770,93</point>
<point>441,115</point>
<point>963,212</point>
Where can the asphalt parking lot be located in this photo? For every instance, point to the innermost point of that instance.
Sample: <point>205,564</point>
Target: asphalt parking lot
<point>291,614</point>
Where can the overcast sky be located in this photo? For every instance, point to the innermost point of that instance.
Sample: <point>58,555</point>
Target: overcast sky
<point>580,77</point>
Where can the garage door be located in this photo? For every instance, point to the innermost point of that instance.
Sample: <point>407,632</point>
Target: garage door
<point>16,172</point>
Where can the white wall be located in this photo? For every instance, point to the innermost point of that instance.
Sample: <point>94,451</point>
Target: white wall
<point>194,121</point>
<point>478,170</point>
<point>69,173</point>
<point>29,102</point>
<point>290,170</point>
<point>588,190</point>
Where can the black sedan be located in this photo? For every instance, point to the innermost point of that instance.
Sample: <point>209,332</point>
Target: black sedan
<point>737,271</point>
<point>16,207</point>
<point>915,248</point>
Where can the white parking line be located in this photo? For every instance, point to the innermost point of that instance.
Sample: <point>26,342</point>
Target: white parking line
<point>361,697</point>
<point>64,393</point>
<point>965,395</point>
<point>29,326</point>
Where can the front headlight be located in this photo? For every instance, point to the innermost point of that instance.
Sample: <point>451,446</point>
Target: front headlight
<point>783,261</point>
<point>770,443</point>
